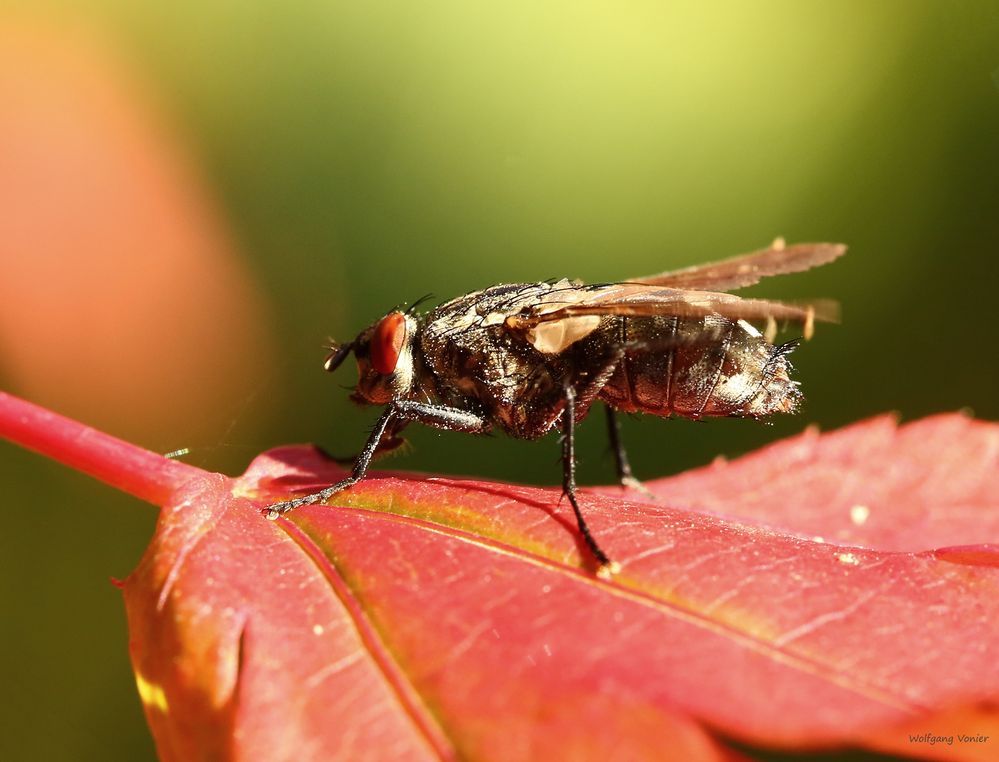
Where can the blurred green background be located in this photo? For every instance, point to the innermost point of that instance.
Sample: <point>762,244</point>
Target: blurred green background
<point>365,154</point>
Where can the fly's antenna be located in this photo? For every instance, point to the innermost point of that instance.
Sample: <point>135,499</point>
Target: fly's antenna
<point>417,303</point>
<point>338,353</point>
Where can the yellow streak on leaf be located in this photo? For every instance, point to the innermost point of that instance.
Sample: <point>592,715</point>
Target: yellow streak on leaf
<point>151,694</point>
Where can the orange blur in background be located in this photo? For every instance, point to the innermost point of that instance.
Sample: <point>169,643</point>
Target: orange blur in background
<point>123,300</point>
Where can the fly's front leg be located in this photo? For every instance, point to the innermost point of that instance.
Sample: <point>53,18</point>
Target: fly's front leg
<point>606,567</point>
<point>438,416</point>
<point>442,417</point>
<point>389,443</point>
<point>624,475</point>
<point>358,473</point>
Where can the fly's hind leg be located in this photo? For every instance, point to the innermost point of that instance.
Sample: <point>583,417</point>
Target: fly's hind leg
<point>624,475</point>
<point>438,416</point>
<point>606,567</point>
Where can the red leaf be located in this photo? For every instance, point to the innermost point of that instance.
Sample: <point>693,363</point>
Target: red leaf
<point>428,617</point>
<point>873,484</point>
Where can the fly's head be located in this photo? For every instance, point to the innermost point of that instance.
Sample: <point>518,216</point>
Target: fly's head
<point>384,353</point>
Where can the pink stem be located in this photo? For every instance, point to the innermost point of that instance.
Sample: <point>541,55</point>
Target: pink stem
<point>130,468</point>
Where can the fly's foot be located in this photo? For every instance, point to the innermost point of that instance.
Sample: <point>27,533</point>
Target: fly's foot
<point>630,482</point>
<point>271,512</point>
<point>608,569</point>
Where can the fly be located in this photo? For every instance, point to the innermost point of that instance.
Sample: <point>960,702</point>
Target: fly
<point>530,358</point>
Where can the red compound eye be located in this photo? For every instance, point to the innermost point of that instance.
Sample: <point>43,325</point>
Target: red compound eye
<point>387,342</point>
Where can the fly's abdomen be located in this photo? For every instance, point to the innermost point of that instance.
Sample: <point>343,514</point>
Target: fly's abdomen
<point>694,367</point>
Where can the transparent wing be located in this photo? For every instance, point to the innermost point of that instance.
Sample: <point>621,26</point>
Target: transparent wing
<point>640,300</point>
<point>747,269</point>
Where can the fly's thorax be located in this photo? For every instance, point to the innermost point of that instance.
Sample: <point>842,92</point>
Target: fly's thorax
<point>466,345</point>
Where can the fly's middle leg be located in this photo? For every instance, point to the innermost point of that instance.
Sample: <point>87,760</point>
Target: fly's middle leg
<point>437,416</point>
<point>606,567</point>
